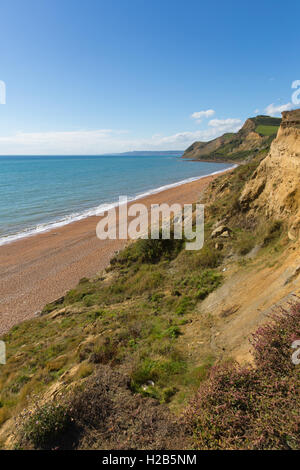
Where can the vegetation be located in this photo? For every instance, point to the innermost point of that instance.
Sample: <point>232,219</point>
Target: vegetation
<point>238,147</point>
<point>106,414</point>
<point>46,425</point>
<point>130,318</point>
<point>253,407</point>
<point>110,360</point>
<point>266,121</point>
<point>267,130</point>
<point>235,407</point>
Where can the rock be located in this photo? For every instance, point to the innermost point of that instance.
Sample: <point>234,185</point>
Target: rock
<point>225,234</point>
<point>293,276</point>
<point>57,313</point>
<point>222,230</point>
<point>292,236</point>
<point>148,384</point>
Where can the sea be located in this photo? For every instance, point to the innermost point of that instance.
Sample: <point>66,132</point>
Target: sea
<point>40,193</point>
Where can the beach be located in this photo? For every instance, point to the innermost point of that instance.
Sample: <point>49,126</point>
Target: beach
<point>39,269</point>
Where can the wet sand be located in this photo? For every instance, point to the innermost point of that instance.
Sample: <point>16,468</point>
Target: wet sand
<point>41,268</point>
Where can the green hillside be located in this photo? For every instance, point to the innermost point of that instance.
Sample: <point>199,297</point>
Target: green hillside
<point>256,134</point>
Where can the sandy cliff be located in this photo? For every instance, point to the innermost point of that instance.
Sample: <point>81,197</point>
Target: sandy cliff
<point>274,188</point>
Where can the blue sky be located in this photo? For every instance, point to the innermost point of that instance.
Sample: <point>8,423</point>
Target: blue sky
<point>100,76</point>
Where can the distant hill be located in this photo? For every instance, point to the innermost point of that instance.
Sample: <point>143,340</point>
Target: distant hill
<point>256,134</point>
<point>149,153</point>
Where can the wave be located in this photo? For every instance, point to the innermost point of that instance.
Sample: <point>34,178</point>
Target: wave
<point>96,211</point>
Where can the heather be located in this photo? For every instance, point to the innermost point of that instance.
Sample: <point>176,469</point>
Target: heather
<point>253,407</point>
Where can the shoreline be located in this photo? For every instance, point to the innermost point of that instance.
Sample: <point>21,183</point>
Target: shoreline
<point>97,211</point>
<point>41,268</point>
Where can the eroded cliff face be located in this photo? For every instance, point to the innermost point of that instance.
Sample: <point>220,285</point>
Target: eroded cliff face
<point>274,189</point>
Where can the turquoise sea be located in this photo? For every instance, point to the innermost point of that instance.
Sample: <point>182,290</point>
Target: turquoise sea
<point>43,192</point>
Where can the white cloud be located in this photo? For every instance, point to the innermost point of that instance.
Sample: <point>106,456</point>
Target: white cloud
<point>272,109</point>
<point>221,126</point>
<point>199,115</point>
<point>256,111</point>
<point>96,142</point>
<point>224,122</point>
<point>66,142</point>
<point>216,128</point>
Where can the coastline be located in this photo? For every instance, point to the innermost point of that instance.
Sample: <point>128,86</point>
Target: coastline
<point>96,211</point>
<point>40,268</point>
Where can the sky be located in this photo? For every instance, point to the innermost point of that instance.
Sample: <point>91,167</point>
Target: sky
<point>108,76</point>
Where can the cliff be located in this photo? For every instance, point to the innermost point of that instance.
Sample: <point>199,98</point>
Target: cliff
<point>256,134</point>
<point>273,189</point>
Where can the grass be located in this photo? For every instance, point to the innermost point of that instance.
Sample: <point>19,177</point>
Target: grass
<point>267,130</point>
<point>245,242</point>
<point>132,315</point>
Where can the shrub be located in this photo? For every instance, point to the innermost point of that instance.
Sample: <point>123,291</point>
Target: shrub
<point>160,371</point>
<point>148,251</point>
<point>73,296</point>
<point>46,425</point>
<point>252,408</point>
<point>184,305</point>
<point>208,281</point>
<point>245,243</point>
<point>173,332</point>
<point>109,416</point>
<point>273,232</point>
<point>104,352</point>
<point>208,257</point>
<point>272,342</point>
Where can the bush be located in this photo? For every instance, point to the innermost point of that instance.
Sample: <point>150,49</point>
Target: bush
<point>252,408</point>
<point>46,426</point>
<point>184,305</point>
<point>273,232</point>
<point>207,257</point>
<point>208,281</point>
<point>245,243</point>
<point>109,416</point>
<point>148,251</point>
<point>272,342</point>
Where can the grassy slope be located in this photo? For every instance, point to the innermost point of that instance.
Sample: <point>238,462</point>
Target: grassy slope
<point>265,126</point>
<point>267,130</point>
<point>132,318</point>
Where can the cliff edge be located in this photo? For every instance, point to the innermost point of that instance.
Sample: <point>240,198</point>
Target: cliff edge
<point>273,189</point>
<point>256,134</point>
